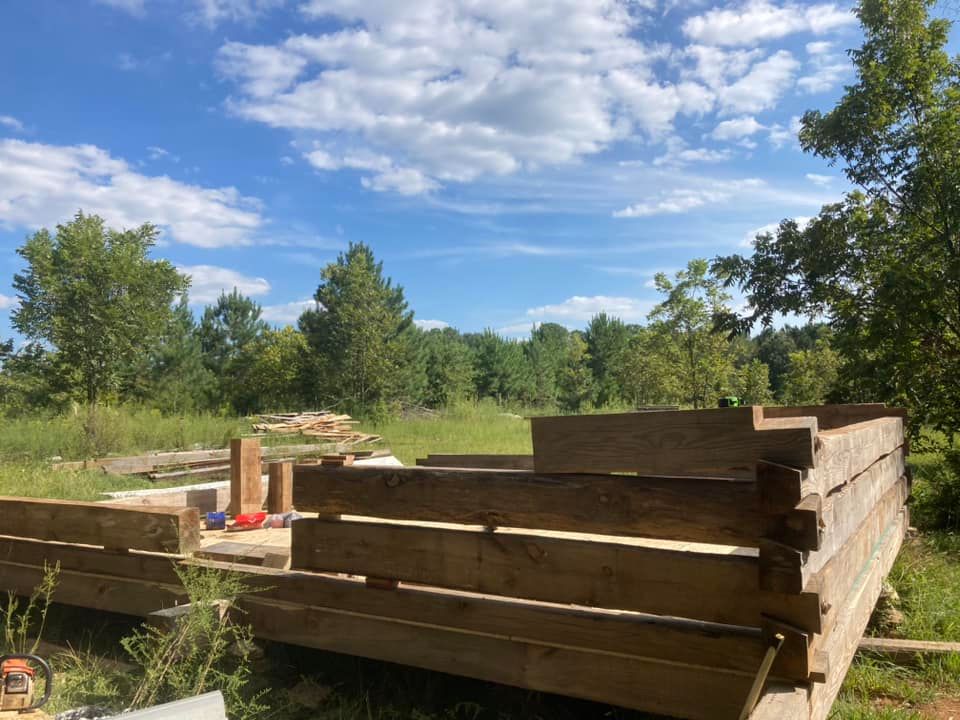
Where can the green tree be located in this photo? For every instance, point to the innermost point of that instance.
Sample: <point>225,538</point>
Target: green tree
<point>178,380</point>
<point>229,330</point>
<point>699,355</point>
<point>502,369</point>
<point>363,334</point>
<point>95,296</point>
<point>811,376</point>
<point>576,382</point>
<point>753,383</point>
<point>644,370</point>
<point>279,368</point>
<point>546,352</point>
<point>883,265</point>
<point>448,366</point>
<point>606,338</point>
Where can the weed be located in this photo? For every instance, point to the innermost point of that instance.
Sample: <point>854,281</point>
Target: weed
<point>23,628</point>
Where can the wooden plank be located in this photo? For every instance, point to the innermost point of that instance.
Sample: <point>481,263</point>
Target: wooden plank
<point>855,610</point>
<point>844,453</point>
<point>785,569</point>
<point>206,497</point>
<point>695,692</point>
<point>830,417</point>
<point>245,482</point>
<point>239,552</point>
<point>907,652</point>
<point>280,488</point>
<point>700,585</point>
<point>493,462</point>
<point>782,701</point>
<point>175,530</point>
<point>688,509</point>
<point>800,528</point>
<point>724,441</point>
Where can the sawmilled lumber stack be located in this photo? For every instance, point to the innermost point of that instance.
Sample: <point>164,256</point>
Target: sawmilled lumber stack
<point>324,425</point>
<point>733,527</point>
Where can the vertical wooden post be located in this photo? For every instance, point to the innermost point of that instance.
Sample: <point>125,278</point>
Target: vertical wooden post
<point>280,489</point>
<point>246,486</point>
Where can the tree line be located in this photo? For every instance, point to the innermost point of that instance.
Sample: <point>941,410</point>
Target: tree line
<point>107,323</point>
<point>877,275</point>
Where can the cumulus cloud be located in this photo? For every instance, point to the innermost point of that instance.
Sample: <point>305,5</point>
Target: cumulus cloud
<point>770,228</point>
<point>431,324</point>
<point>821,180</point>
<point>207,282</point>
<point>825,68</point>
<point>8,121</point>
<point>7,302</point>
<point>578,310</point>
<point>737,128</point>
<point>448,91</point>
<point>212,12</point>
<point>760,89</point>
<point>756,21</point>
<point>287,313</point>
<point>41,185</point>
<point>780,135</point>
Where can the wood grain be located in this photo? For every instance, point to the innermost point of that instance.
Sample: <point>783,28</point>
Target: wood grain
<point>724,441</point>
<point>280,487</point>
<point>492,462</point>
<point>173,530</point>
<point>688,509</point>
<point>246,487</point>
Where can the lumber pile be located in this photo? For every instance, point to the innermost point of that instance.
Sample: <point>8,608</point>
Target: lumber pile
<point>325,425</point>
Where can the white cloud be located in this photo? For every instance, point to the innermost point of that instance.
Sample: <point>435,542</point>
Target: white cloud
<point>578,309</point>
<point>41,185</point>
<point>155,152</point>
<point>780,136</point>
<point>212,12</point>
<point>7,302</point>
<point>762,86</point>
<point>819,47</point>
<point>825,69</point>
<point>737,128</point>
<point>756,21</point>
<point>11,122</point>
<point>681,200</point>
<point>771,228</point>
<point>207,282</point>
<point>821,180</point>
<point>431,324</point>
<point>449,91</point>
<point>134,7</point>
<point>287,313</point>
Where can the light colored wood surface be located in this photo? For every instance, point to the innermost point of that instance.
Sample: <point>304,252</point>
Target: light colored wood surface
<point>907,652</point>
<point>830,417</point>
<point>246,486</point>
<point>725,441</point>
<point>712,511</point>
<point>174,530</point>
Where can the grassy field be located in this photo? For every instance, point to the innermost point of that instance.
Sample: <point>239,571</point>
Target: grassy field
<point>310,684</point>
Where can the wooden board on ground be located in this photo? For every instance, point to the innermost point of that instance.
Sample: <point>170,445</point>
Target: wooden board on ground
<point>907,652</point>
<point>724,441</point>
<point>173,530</point>
<point>692,509</point>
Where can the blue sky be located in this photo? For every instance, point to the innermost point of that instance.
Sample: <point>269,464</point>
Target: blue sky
<point>510,162</point>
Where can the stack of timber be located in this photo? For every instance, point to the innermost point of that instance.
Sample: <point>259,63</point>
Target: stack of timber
<point>324,425</point>
<point>660,590</point>
<point>646,560</point>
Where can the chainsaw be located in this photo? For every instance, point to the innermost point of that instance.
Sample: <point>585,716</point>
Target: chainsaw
<point>18,687</point>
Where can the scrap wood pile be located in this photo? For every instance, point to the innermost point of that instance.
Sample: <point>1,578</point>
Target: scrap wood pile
<point>325,425</point>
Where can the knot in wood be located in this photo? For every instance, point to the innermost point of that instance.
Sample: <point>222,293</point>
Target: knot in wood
<point>536,553</point>
<point>393,480</point>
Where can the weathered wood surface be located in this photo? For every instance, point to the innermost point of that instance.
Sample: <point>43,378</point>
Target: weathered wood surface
<point>705,586</point>
<point>830,417</point>
<point>280,487</point>
<point>206,497</point>
<point>134,464</point>
<point>785,569</point>
<point>907,652</point>
<point>238,552</point>
<point>724,441</point>
<point>492,462</point>
<point>844,453</point>
<point>246,487</point>
<point>690,691</point>
<point>173,530</point>
<point>801,527</point>
<point>688,509</point>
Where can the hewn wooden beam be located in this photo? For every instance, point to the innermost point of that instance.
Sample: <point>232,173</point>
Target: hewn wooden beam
<point>686,509</point>
<point>830,417</point>
<point>173,530</point>
<point>724,441</point>
<point>246,487</point>
<point>280,488</point>
<point>492,462</point>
